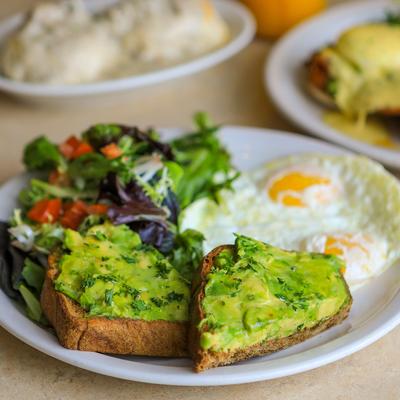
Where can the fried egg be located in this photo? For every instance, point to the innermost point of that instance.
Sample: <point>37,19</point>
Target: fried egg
<point>365,256</point>
<point>348,206</point>
<point>302,186</point>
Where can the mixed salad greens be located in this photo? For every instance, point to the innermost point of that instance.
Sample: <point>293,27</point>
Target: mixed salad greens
<point>111,173</point>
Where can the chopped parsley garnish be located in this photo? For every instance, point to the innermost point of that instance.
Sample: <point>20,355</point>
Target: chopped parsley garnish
<point>108,278</point>
<point>100,236</point>
<point>332,87</point>
<point>108,296</point>
<point>132,291</point>
<point>162,269</point>
<point>157,301</point>
<point>88,282</point>
<point>392,18</point>
<point>129,259</point>
<point>173,296</point>
<point>139,305</point>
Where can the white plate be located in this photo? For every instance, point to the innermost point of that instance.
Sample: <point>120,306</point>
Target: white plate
<point>375,312</point>
<point>285,72</point>
<point>240,22</point>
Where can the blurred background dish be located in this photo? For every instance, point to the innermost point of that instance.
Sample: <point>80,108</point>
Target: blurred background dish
<point>64,43</point>
<point>276,17</point>
<point>287,81</point>
<point>122,44</point>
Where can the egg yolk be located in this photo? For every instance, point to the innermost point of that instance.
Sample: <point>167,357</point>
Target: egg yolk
<point>364,255</point>
<point>208,10</point>
<point>344,244</point>
<point>337,245</point>
<point>294,189</point>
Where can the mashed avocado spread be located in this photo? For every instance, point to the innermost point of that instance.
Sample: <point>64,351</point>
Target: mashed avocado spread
<point>257,292</point>
<point>110,273</point>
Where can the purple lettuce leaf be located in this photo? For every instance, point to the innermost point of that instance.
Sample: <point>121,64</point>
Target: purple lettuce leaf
<point>112,189</point>
<point>155,145</point>
<point>155,233</point>
<point>131,206</point>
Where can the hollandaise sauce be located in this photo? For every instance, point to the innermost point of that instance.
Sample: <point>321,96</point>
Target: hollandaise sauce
<point>369,130</point>
<point>364,65</point>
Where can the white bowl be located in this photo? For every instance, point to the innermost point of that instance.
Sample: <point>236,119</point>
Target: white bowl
<point>240,22</point>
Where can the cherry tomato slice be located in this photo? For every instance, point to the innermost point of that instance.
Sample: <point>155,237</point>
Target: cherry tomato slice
<point>45,211</point>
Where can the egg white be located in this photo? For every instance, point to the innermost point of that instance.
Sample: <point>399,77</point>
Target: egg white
<point>366,202</point>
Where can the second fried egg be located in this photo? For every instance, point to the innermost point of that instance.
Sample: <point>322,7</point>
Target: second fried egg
<point>348,206</point>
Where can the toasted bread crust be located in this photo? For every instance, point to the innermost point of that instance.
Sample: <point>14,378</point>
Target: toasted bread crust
<point>77,331</point>
<point>204,359</point>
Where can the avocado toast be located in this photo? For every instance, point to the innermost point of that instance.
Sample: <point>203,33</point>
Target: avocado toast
<point>252,299</point>
<point>107,292</point>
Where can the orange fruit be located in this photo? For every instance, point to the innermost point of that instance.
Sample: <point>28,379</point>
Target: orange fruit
<point>275,17</point>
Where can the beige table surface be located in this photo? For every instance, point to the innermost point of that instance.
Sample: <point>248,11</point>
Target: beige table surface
<point>233,93</point>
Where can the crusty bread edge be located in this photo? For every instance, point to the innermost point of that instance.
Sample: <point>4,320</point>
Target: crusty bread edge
<point>77,331</point>
<point>204,359</point>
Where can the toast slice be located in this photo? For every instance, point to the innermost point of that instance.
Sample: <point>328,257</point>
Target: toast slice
<point>77,330</point>
<point>205,358</point>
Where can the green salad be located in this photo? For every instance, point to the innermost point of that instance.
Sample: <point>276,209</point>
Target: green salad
<point>111,175</point>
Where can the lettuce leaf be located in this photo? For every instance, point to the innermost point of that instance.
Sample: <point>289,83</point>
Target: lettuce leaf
<point>205,162</point>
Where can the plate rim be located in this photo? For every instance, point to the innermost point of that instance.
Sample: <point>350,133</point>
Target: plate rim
<point>200,63</point>
<point>273,61</point>
<point>340,347</point>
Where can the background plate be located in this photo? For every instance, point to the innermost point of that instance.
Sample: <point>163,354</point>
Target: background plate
<point>285,73</point>
<point>376,308</point>
<point>240,22</point>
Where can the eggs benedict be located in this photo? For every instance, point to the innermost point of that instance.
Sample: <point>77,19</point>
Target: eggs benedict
<point>360,74</point>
